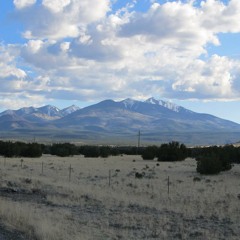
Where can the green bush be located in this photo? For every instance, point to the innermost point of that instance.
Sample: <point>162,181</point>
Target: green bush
<point>149,153</point>
<point>32,150</point>
<point>104,151</point>
<point>173,151</point>
<point>209,165</point>
<point>63,149</point>
<point>212,160</point>
<point>90,151</point>
<point>20,149</point>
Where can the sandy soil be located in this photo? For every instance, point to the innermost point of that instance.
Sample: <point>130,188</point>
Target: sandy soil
<point>86,198</point>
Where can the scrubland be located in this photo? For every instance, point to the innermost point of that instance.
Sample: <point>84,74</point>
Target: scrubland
<point>54,198</point>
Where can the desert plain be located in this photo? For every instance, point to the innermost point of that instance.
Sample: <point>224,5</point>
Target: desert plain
<point>53,198</point>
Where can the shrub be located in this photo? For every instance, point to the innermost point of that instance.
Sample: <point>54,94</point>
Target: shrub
<point>149,153</point>
<point>90,151</point>
<point>104,152</point>
<point>212,160</point>
<point>20,149</point>
<point>114,151</point>
<point>173,151</point>
<point>63,149</point>
<point>32,150</point>
<point>209,165</point>
<point>139,175</point>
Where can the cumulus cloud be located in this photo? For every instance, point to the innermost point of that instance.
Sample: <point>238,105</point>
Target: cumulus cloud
<point>17,87</point>
<point>58,19</point>
<point>9,73</point>
<point>56,5</point>
<point>23,99</point>
<point>211,79</point>
<point>96,47</point>
<point>23,3</point>
<point>218,17</point>
<point>182,25</point>
<point>79,52</point>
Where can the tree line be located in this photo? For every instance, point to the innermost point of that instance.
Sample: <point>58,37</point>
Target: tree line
<point>20,149</point>
<point>210,160</point>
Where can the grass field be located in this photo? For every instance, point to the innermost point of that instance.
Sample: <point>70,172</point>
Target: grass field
<point>78,198</point>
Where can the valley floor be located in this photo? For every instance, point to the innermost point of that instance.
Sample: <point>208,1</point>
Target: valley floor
<point>78,198</point>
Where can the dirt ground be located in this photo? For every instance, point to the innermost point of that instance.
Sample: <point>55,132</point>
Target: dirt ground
<point>95,198</point>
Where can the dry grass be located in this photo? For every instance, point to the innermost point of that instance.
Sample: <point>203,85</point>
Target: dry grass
<point>50,206</point>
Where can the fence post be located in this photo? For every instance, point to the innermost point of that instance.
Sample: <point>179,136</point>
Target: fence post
<point>70,172</point>
<point>109,178</point>
<point>168,185</point>
<point>21,162</point>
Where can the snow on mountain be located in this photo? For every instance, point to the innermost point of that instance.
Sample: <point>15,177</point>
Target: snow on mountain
<point>168,105</point>
<point>132,104</point>
<point>68,110</point>
<point>50,110</point>
<point>45,113</point>
<point>26,110</point>
<point>151,116</point>
<point>123,118</point>
<point>129,103</point>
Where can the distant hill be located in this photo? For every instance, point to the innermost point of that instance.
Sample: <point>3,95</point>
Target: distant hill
<point>158,121</point>
<point>38,115</point>
<point>151,115</point>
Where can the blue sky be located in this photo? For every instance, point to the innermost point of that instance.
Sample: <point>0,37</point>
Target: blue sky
<point>65,52</point>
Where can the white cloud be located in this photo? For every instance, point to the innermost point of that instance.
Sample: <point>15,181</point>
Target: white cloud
<point>23,99</point>
<point>8,69</point>
<point>211,79</point>
<point>77,51</point>
<point>56,5</point>
<point>23,3</point>
<point>34,45</point>
<point>218,17</point>
<point>64,46</point>
<point>173,24</point>
<point>58,19</point>
<point>46,56</point>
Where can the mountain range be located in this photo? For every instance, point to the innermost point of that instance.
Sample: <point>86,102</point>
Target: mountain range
<point>109,120</point>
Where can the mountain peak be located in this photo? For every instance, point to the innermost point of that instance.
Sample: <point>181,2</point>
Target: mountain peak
<point>129,103</point>
<point>166,104</point>
<point>152,100</point>
<point>49,110</point>
<point>50,107</point>
<point>68,110</point>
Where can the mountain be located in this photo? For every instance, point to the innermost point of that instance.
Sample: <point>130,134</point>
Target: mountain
<point>158,120</point>
<point>31,118</point>
<point>151,115</point>
<point>12,121</point>
<point>168,105</point>
<point>68,110</point>
<point>105,116</point>
<point>41,114</point>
